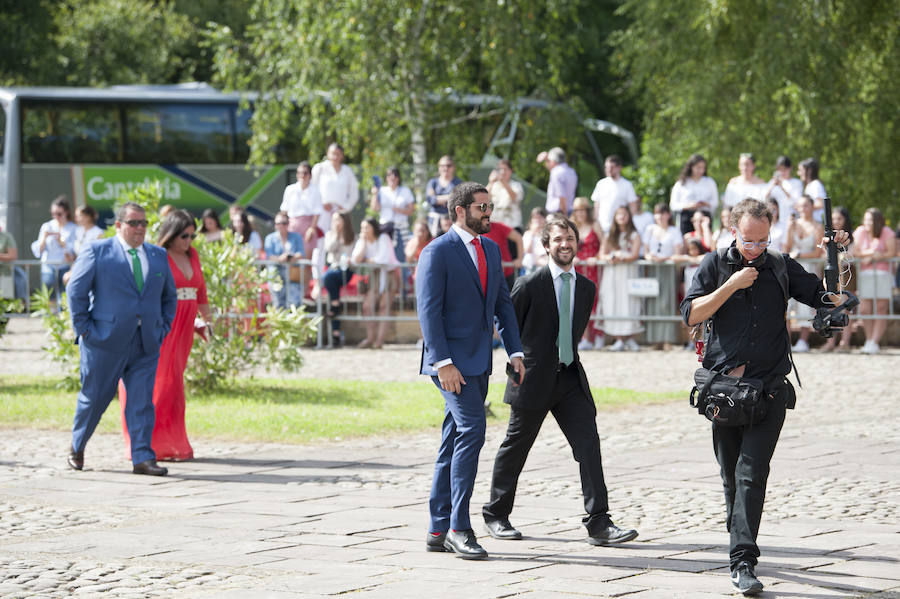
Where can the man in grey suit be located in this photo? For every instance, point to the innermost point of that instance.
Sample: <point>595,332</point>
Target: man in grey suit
<point>553,306</point>
<point>122,299</point>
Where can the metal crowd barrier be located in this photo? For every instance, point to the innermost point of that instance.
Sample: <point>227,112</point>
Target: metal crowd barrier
<point>654,307</point>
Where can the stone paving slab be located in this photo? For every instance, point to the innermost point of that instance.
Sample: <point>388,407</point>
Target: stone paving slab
<point>291,521</point>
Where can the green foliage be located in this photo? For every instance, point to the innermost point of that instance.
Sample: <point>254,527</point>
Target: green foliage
<point>8,306</point>
<point>61,345</point>
<point>106,42</point>
<point>802,78</point>
<point>389,65</point>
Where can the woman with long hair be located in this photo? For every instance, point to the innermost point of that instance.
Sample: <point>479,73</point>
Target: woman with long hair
<point>55,245</point>
<point>375,247</point>
<point>589,240</point>
<point>662,240</point>
<point>840,221</point>
<point>801,241</point>
<point>808,171</point>
<point>693,191</point>
<point>621,248</point>
<point>170,441</point>
<point>339,242</point>
<point>210,227</point>
<point>746,184</point>
<point>874,242</point>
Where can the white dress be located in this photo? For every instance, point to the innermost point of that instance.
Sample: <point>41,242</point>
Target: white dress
<point>662,243</point>
<point>803,245</point>
<point>614,296</point>
<point>738,190</point>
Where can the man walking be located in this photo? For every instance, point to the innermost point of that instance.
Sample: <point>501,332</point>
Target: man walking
<point>553,305</point>
<point>459,290</point>
<point>122,298</point>
<point>749,339</point>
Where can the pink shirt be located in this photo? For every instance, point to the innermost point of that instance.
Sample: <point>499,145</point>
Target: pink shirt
<point>863,241</point>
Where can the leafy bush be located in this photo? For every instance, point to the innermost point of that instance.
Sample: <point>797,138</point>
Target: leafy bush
<point>60,344</point>
<point>8,306</point>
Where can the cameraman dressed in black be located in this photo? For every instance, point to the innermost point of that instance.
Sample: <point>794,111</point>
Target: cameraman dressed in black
<point>749,338</point>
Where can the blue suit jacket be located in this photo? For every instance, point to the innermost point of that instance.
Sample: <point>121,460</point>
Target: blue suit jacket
<point>457,319</point>
<point>105,303</point>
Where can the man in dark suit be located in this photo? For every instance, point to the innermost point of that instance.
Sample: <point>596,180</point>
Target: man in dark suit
<point>552,319</point>
<point>459,289</point>
<point>122,299</point>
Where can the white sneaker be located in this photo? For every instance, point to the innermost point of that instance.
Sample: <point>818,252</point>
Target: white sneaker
<point>632,345</point>
<point>599,342</point>
<point>585,345</point>
<point>801,347</point>
<point>619,345</point>
<point>870,347</point>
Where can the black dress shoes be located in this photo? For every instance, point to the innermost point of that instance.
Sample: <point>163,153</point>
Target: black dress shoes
<point>612,535</point>
<point>75,460</point>
<point>435,542</point>
<point>150,468</point>
<point>463,544</point>
<point>502,529</point>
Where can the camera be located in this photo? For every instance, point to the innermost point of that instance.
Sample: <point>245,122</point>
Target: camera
<point>829,320</point>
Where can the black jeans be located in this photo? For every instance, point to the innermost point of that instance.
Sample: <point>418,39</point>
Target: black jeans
<point>576,415</point>
<point>744,454</point>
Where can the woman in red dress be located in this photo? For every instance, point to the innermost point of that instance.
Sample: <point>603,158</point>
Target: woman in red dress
<point>589,236</point>
<point>170,440</point>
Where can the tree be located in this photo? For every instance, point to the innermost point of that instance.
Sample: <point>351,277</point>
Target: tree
<point>803,78</point>
<point>107,42</point>
<point>389,66</point>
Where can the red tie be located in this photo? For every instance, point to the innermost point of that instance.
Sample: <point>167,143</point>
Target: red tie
<point>482,265</point>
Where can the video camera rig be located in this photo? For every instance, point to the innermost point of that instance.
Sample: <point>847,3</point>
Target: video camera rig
<point>835,318</point>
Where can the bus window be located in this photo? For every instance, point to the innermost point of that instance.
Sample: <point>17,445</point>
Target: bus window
<point>242,134</point>
<point>179,133</point>
<point>70,132</point>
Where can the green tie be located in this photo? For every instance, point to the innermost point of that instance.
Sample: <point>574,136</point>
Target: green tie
<point>564,340</point>
<point>138,271</point>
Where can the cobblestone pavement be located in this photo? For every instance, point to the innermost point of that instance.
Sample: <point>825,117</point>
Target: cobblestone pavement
<point>291,521</point>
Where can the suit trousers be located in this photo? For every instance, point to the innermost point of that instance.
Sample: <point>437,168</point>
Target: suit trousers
<point>100,374</point>
<point>462,437</point>
<point>576,415</point>
<point>744,454</point>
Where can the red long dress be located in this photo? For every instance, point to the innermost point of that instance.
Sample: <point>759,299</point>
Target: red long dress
<point>588,248</point>
<point>170,440</point>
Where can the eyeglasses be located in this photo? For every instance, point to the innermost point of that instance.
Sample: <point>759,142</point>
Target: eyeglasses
<point>485,207</point>
<point>188,236</point>
<point>281,222</point>
<point>445,165</point>
<point>134,222</point>
<point>749,245</point>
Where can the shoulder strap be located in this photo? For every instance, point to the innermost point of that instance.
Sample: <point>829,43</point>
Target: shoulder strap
<point>779,268</point>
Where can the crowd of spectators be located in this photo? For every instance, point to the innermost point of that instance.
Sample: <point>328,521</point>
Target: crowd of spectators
<point>620,241</point>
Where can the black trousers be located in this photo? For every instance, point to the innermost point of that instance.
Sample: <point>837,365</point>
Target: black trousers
<point>744,454</point>
<point>576,415</point>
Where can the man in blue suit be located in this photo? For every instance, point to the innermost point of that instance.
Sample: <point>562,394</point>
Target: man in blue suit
<point>460,288</point>
<point>122,299</point>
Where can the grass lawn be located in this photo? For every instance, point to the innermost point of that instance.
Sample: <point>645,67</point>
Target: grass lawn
<point>292,411</point>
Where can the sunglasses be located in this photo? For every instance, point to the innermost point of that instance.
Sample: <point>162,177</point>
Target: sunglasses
<point>445,165</point>
<point>281,222</point>
<point>134,222</point>
<point>485,207</point>
<point>187,236</point>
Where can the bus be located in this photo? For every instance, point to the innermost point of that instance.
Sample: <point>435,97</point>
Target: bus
<point>95,145</point>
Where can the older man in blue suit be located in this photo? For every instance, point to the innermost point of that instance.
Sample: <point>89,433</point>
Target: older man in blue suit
<point>122,299</point>
<point>460,288</point>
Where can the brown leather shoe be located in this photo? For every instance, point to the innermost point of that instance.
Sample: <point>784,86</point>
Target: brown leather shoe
<point>75,459</point>
<point>150,468</point>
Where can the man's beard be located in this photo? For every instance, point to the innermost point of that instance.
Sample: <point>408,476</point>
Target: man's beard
<point>560,261</point>
<point>478,224</point>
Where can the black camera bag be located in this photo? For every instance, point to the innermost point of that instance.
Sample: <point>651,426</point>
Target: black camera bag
<point>728,400</point>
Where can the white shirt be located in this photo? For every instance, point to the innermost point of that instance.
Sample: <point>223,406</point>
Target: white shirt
<point>662,243</point>
<point>777,232</point>
<point>142,256</point>
<point>341,189</point>
<point>507,210</point>
<point>297,201</point>
<point>641,221</point>
<point>786,203</point>
<point>84,238</point>
<point>691,192</point>
<point>556,272</point>
<point>389,199</point>
<point>816,191</point>
<point>55,247</point>
<point>738,190</point>
<point>608,195</point>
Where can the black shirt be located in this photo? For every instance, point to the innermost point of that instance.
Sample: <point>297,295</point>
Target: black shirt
<point>749,328</point>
